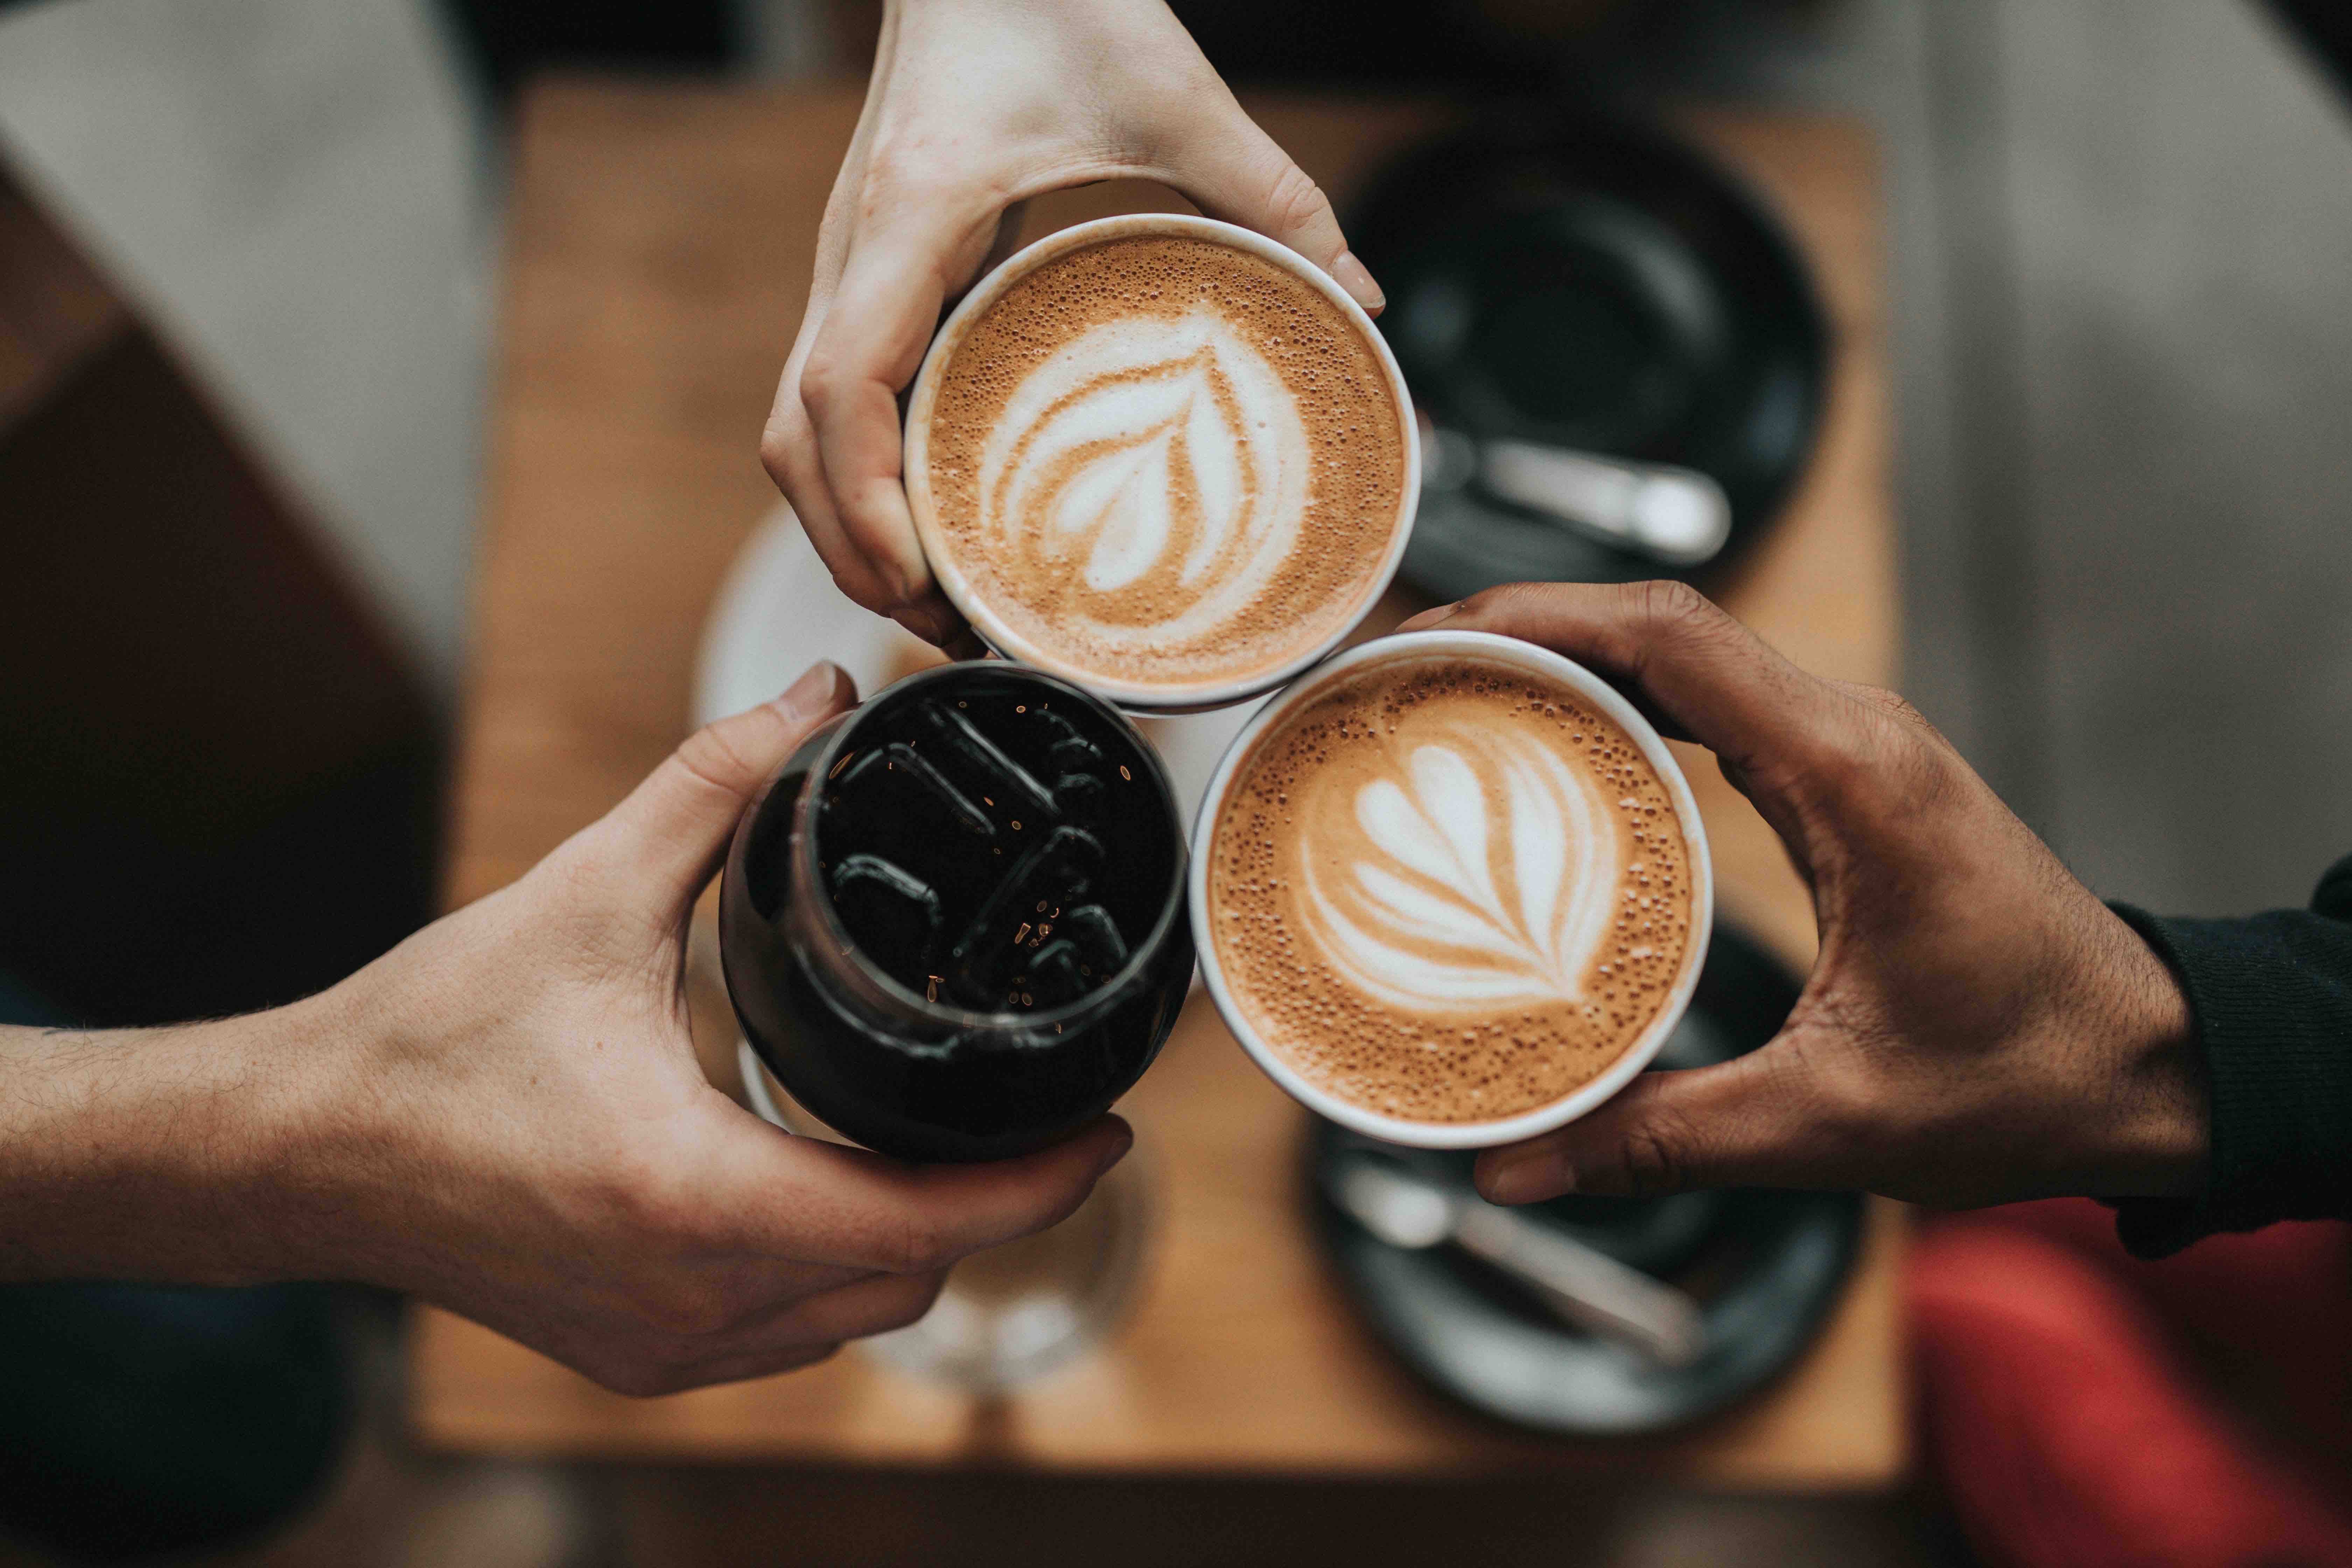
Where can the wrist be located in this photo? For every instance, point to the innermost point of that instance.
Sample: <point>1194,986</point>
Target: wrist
<point>2161,1118</point>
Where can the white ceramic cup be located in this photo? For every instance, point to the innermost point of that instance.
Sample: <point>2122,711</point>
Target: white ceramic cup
<point>1142,697</point>
<point>1545,666</point>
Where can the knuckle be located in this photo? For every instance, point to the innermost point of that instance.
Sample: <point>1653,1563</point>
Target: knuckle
<point>906,170</point>
<point>1295,200</point>
<point>718,755</point>
<point>824,379</point>
<point>649,1209</point>
<point>780,456</point>
<point>919,1246</point>
<point>580,869</point>
<point>1888,762</point>
<point>1651,1157</point>
<point>1668,607</point>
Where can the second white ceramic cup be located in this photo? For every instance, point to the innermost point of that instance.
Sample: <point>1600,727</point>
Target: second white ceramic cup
<point>1545,666</point>
<point>1140,697</point>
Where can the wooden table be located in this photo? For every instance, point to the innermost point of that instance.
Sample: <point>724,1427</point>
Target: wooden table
<point>658,263</point>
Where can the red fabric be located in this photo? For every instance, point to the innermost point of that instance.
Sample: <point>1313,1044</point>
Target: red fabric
<point>2072,1427</point>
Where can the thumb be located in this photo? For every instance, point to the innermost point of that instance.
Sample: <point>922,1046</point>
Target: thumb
<point>666,839</point>
<point>1744,1123</point>
<point>1238,174</point>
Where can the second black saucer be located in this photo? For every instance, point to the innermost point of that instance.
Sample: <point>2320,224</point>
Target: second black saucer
<point>1591,284</point>
<point>1767,1267</point>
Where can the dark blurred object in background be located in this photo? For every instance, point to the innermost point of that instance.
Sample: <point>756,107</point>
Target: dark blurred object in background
<point>1461,44</point>
<point>509,40</point>
<point>221,780</point>
<point>140,1421</point>
<point>1589,282</point>
<point>2325,27</point>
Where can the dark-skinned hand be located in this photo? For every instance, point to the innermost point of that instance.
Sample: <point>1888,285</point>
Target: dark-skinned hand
<point>1977,1027</point>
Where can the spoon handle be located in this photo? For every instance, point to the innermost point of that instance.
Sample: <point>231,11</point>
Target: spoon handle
<point>1676,516</point>
<point>1586,1287</point>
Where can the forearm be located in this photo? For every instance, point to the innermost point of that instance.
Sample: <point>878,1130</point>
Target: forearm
<point>155,1153</point>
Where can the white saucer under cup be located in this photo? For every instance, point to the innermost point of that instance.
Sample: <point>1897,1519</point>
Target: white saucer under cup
<point>778,612</point>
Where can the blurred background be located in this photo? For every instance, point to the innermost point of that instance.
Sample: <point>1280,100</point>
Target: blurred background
<point>2119,234</point>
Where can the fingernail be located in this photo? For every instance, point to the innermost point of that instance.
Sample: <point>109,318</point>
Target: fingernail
<point>1351,275</point>
<point>1522,1178</point>
<point>813,694</point>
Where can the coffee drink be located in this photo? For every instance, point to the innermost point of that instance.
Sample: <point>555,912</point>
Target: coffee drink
<point>1161,464</point>
<point>952,928</point>
<point>1449,889</point>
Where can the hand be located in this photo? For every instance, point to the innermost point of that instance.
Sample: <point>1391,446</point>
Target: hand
<point>1977,1027</point>
<point>975,106</point>
<point>505,1115</point>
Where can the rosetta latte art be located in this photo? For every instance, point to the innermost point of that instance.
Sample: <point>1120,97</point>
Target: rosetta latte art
<point>1483,874</point>
<point>1447,890</point>
<point>1155,470</point>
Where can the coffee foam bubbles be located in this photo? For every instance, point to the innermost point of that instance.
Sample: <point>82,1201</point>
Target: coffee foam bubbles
<point>1164,460</point>
<point>1449,892</point>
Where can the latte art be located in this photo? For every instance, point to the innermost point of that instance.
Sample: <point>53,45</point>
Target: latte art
<point>1163,461</point>
<point>1483,876</point>
<point>1150,476</point>
<point>1447,890</point>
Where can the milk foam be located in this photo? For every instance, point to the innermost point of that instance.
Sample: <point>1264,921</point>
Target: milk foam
<point>1479,871</point>
<point>1448,892</point>
<point>1162,459</point>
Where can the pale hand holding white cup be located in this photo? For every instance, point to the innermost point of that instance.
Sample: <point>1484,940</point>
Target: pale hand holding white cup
<point>976,106</point>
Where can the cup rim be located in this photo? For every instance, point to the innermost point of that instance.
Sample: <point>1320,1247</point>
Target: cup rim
<point>1142,697</point>
<point>1585,1097</point>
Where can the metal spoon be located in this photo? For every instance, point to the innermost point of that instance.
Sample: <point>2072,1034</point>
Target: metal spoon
<point>1584,1286</point>
<point>1676,516</point>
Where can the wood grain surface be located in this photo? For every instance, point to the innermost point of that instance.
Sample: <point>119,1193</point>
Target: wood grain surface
<point>657,264</point>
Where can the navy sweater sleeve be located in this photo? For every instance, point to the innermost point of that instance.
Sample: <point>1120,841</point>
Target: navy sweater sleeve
<point>2271,996</point>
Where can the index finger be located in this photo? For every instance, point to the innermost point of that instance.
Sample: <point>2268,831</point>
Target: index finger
<point>1706,677</point>
<point>876,329</point>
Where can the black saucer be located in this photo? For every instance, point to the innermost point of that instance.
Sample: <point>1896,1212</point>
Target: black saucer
<point>1766,1266</point>
<point>1593,284</point>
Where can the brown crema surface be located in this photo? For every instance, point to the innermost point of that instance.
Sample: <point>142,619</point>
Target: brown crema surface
<point>1408,807</point>
<point>1162,626</point>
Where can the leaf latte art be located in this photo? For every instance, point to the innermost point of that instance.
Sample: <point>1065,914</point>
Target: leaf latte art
<point>1155,471</point>
<point>1482,874</point>
<point>1448,890</point>
<point>1163,461</point>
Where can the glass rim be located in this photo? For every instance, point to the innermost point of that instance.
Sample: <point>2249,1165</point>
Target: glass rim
<point>1173,910</point>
